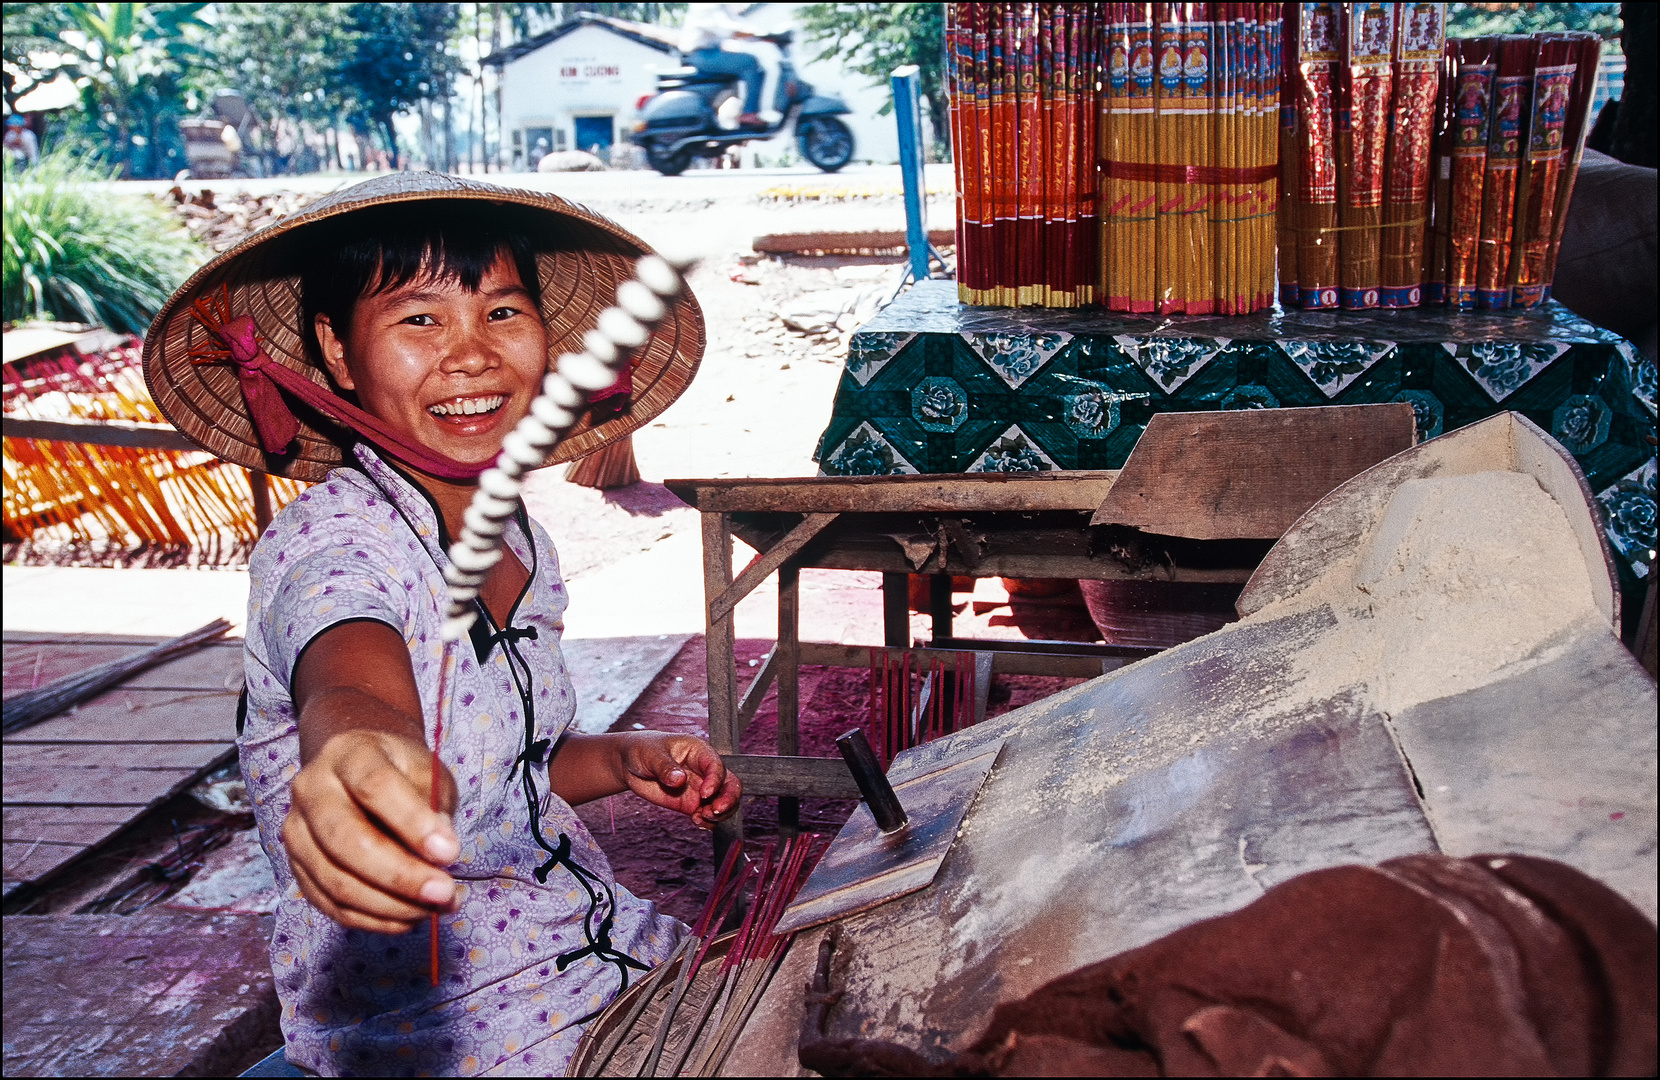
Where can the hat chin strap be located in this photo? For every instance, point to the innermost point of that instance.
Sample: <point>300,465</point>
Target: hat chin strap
<point>263,382</point>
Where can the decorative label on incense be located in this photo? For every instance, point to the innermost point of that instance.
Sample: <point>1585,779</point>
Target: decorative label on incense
<point>1552,86</point>
<point>1363,126</point>
<point>1504,158</point>
<point>1472,124</point>
<point>1317,54</point>
<point>1419,45</point>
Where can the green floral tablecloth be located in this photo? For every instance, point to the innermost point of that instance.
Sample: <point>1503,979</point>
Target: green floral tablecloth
<point>934,386</point>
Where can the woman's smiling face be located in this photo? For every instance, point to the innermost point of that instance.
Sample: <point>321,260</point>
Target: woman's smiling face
<point>450,368</point>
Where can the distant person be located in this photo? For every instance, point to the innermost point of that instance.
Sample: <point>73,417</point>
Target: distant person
<point>538,152</point>
<point>701,45</point>
<point>22,148</point>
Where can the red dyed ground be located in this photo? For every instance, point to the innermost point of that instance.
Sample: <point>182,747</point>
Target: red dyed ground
<point>657,854</point>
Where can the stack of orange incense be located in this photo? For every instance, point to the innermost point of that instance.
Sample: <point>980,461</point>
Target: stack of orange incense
<point>1189,156</point>
<point>1022,79</point>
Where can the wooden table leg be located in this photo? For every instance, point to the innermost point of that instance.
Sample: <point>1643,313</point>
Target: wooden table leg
<point>789,697</point>
<point>939,606</point>
<point>721,668</point>
<point>896,611</point>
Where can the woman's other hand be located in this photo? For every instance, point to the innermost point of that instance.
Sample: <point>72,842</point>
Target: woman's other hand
<point>680,772</point>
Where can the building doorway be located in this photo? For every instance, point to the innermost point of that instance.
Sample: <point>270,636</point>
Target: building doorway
<point>595,134</point>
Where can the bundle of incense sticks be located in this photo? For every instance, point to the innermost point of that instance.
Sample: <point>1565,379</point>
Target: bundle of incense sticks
<point>1419,43</point>
<point>911,704</point>
<point>1516,122</point>
<point>1319,48</point>
<point>1512,98</point>
<point>1365,86</point>
<point>1189,156</point>
<point>1022,79</point>
<point>1290,157</point>
<point>1440,203</point>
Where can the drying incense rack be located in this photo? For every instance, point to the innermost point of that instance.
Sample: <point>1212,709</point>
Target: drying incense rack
<point>1201,500</point>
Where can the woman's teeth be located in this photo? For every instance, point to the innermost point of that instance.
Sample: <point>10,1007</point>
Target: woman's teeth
<point>467,406</point>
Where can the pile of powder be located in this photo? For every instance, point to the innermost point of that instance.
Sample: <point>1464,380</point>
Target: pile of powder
<point>1463,576</point>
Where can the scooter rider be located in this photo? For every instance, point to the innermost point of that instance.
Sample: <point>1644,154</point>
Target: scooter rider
<point>707,26</point>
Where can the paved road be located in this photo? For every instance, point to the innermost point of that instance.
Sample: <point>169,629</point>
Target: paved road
<point>711,211</point>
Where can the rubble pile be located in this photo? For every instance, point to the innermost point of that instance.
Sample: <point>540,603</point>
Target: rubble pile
<point>222,223</point>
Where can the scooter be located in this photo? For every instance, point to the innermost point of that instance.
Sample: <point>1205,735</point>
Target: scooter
<point>681,121</point>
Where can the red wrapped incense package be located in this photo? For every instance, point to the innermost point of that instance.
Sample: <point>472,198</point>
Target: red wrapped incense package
<point>1060,163</point>
<point>1419,39</point>
<point>1051,191</point>
<point>1472,124</point>
<point>1553,77</point>
<point>1511,91</point>
<point>1004,165</point>
<point>1317,56</point>
<point>1230,122</point>
<point>1084,75</point>
<point>1290,175</point>
<point>1362,139</point>
<point>1169,122</point>
<point>1586,51</point>
<point>1440,203</point>
<point>1142,211</point>
<point>1029,144</point>
<point>964,155</point>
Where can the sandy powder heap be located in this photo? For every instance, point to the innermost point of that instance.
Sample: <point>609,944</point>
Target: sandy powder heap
<point>1464,576</point>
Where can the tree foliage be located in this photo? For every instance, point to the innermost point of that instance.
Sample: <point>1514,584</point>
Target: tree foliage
<point>873,39</point>
<point>399,58</point>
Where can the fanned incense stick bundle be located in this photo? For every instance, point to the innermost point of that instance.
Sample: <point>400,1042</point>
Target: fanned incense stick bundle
<point>1419,39</point>
<point>1512,91</point>
<point>1365,85</point>
<point>1551,90</point>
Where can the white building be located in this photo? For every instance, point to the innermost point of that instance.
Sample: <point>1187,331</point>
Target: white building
<point>581,84</point>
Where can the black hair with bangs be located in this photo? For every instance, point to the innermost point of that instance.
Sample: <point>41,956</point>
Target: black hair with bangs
<point>385,247</point>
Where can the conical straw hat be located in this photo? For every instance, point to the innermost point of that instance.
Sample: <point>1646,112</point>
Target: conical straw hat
<point>582,256</point>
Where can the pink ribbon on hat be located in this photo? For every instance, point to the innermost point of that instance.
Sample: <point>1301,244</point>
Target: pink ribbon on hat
<point>263,381</point>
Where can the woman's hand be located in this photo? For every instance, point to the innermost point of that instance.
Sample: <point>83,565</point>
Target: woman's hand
<point>680,772</point>
<point>363,840</point>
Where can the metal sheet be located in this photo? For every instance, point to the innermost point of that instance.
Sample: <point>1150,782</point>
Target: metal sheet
<point>864,868</point>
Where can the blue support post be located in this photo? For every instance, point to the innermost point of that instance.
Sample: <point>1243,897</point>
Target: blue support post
<point>907,110</point>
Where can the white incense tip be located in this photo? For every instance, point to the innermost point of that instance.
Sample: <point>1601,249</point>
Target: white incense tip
<point>621,327</point>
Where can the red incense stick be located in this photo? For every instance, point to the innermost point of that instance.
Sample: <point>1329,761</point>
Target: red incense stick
<point>437,737</point>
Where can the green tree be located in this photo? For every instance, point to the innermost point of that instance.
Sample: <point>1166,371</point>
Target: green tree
<point>284,58</point>
<point>133,62</point>
<point>873,39</point>
<point>399,57</point>
<point>31,32</point>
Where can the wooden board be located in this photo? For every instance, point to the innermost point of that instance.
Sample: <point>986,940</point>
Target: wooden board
<point>1249,473</point>
<point>125,715</point>
<point>928,494</point>
<point>30,664</point>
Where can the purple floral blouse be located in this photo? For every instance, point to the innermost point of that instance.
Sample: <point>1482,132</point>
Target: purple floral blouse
<point>364,544</point>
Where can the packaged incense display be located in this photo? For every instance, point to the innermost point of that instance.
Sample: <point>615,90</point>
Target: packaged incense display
<point>1541,167</point>
<point>1195,244</point>
<point>1169,129</point>
<point>1317,60</point>
<point>1290,176</point>
<point>1139,167</point>
<point>1586,50</point>
<point>1366,83</point>
<point>1473,85</point>
<point>1085,76</point>
<point>1420,37</point>
<point>1440,205</point>
<point>1511,93</point>
<point>1028,179</point>
<point>959,44</point>
<point>1116,133</point>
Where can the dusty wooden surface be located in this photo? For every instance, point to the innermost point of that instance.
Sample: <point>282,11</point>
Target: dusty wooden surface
<point>1247,473</point>
<point>75,780</point>
<point>157,994</point>
<point>925,494</point>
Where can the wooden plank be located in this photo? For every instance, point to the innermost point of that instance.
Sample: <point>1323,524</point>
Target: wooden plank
<point>1004,663</point>
<point>80,755</point>
<point>788,651</point>
<point>985,665</point>
<point>802,777</point>
<point>845,242</point>
<point>722,675</point>
<point>923,494</point>
<point>107,786</point>
<point>37,858</point>
<point>1102,567</point>
<point>772,559</point>
<point>1248,473</point>
<point>124,715</point>
<point>89,825</point>
<point>31,664</point>
<point>100,433</point>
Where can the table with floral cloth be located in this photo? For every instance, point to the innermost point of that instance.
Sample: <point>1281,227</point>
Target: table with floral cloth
<point>932,385</point>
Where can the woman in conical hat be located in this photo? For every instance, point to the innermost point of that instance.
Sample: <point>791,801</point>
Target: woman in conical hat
<point>382,343</point>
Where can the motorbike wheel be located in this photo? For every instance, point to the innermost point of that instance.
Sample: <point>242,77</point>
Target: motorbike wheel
<point>669,164</point>
<point>826,142</point>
